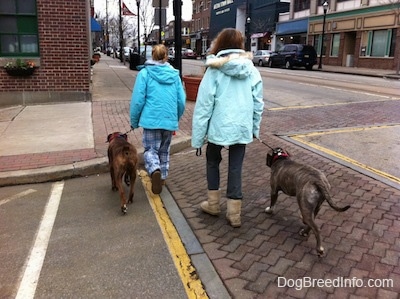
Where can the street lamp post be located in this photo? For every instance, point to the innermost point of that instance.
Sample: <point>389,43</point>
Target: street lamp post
<point>325,6</point>
<point>248,45</point>
<point>138,26</point>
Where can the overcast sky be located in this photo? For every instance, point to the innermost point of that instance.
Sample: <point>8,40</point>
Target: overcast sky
<point>100,6</point>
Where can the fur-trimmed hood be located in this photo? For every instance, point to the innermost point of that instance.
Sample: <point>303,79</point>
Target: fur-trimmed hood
<point>233,62</point>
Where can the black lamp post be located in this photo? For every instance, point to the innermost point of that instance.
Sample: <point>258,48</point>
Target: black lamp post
<point>248,46</point>
<point>138,26</point>
<point>325,6</point>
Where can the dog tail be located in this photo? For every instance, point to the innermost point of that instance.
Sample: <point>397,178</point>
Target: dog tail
<point>328,198</point>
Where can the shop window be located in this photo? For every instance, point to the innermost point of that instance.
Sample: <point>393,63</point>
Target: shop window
<point>18,28</point>
<point>300,5</point>
<point>318,44</point>
<point>335,44</point>
<point>378,43</point>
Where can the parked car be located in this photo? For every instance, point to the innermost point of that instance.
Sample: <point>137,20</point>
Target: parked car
<point>127,51</point>
<point>188,54</point>
<point>145,53</point>
<point>292,55</point>
<point>261,57</point>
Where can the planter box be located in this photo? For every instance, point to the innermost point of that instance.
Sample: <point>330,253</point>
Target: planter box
<point>20,72</point>
<point>191,86</point>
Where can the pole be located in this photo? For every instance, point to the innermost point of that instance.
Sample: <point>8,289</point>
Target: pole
<point>322,40</point>
<point>178,35</point>
<point>138,26</point>
<point>107,39</point>
<point>121,38</point>
<point>159,30</point>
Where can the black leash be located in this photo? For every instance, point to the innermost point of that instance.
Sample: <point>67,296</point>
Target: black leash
<point>198,150</point>
<point>265,144</point>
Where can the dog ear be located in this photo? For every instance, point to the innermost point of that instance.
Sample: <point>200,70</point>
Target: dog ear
<point>125,136</point>
<point>108,138</point>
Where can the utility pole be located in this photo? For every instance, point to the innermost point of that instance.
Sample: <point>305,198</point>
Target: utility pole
<point>178,34</point>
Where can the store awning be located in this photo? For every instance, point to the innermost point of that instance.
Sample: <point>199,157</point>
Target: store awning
<point>258,35</point>
<point>292,27</point>
<point>94,26</point>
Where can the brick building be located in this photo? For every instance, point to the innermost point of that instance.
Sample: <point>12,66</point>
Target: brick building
<point>55,36</point>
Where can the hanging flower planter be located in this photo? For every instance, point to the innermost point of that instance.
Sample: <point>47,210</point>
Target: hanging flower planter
<point>20,68</point>
<point>191,86</point>
<point>18,72</point>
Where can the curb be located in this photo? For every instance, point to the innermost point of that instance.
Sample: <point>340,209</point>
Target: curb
<point>77,169</point>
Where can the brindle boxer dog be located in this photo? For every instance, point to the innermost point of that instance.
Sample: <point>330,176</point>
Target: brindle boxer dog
<point>123,159</point>
<point>308,184</point>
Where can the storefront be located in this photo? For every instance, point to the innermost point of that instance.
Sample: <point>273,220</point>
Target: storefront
<point>365,37</point>
<point>291,32</point>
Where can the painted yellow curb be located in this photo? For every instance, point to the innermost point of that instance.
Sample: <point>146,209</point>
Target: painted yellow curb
<point>344,158</point>
<point>193,286</point>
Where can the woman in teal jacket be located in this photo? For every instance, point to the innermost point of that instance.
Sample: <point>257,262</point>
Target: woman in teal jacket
<point>157,104</point>
<point>227,113</point>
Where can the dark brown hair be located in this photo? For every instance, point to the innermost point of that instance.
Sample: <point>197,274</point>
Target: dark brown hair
<point>229,38</point>
<point>159,52</point>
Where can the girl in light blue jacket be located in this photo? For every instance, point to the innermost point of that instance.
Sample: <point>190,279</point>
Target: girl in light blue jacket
<point>157,104</point>
<point>227,113</point>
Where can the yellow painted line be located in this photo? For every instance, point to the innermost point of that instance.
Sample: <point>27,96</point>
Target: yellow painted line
<point>193,285</point>
<point>345,158</point>
<point>334,104</point>
<point>345,130</point>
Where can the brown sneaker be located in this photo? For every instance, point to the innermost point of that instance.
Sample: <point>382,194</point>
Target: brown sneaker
<point>156,186</point>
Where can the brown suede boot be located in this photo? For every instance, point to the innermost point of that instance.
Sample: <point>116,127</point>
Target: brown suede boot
<point>211,206</point>
<point>234,207</point>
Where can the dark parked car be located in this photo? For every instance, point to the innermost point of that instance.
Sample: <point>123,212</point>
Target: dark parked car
<point>261,57</point>
<point>294,55</point>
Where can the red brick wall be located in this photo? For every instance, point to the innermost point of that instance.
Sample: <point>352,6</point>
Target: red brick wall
<point>64,51</point>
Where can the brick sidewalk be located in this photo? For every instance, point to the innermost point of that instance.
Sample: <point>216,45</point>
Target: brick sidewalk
<point>362,242</point>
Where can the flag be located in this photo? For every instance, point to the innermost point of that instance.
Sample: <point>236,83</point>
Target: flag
<point>126,11</point>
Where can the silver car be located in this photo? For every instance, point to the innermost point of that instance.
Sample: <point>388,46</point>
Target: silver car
<point>261,57</point>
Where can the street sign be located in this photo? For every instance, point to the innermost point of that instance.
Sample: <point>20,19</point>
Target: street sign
<point>164,3</point>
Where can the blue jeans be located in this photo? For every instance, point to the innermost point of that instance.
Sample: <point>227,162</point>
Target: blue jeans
<point>235,163</point>
<point>156,145</point>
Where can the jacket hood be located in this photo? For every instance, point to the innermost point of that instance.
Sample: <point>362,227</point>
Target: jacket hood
<point>233,62</point>
<point>162,72</point>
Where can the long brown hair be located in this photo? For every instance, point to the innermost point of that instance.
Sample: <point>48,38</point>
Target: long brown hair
<point>229,38</point>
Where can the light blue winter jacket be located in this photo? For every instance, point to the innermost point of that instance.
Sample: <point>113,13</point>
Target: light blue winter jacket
<point>229,102</point>
<point>158,98</point>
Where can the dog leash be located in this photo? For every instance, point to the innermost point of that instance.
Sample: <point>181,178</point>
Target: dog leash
<point>198,150</point>
<point>263,142</point>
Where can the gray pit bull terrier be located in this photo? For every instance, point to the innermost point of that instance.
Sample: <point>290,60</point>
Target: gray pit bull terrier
<point>308,184</point>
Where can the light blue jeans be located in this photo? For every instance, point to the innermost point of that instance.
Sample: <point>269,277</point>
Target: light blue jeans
<point>157,145</point>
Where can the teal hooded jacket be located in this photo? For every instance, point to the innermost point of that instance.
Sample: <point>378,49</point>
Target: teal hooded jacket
<point>229,102</point>
<point>158,98</point>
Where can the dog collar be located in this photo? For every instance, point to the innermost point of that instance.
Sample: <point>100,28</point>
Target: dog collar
<point>279,155</point>
<point>116,135</point>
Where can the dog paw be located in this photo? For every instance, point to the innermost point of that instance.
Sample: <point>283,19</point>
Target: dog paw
<point>124,209</point>
<point>269,210</point>
<point>320,251</point>
<point>303,232</point>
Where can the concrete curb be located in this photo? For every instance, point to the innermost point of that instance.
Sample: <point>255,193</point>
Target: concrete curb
<point>77,169</point>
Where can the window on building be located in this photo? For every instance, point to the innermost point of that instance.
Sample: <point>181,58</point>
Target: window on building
<point>318,44</point>
<point>18,28</point>
<point>335,44</point>
<point>300,5</point>
<point>378,43</point>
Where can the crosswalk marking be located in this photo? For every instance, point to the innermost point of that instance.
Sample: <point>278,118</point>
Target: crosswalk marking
<point>16,196</point>
<point>34,265</point>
